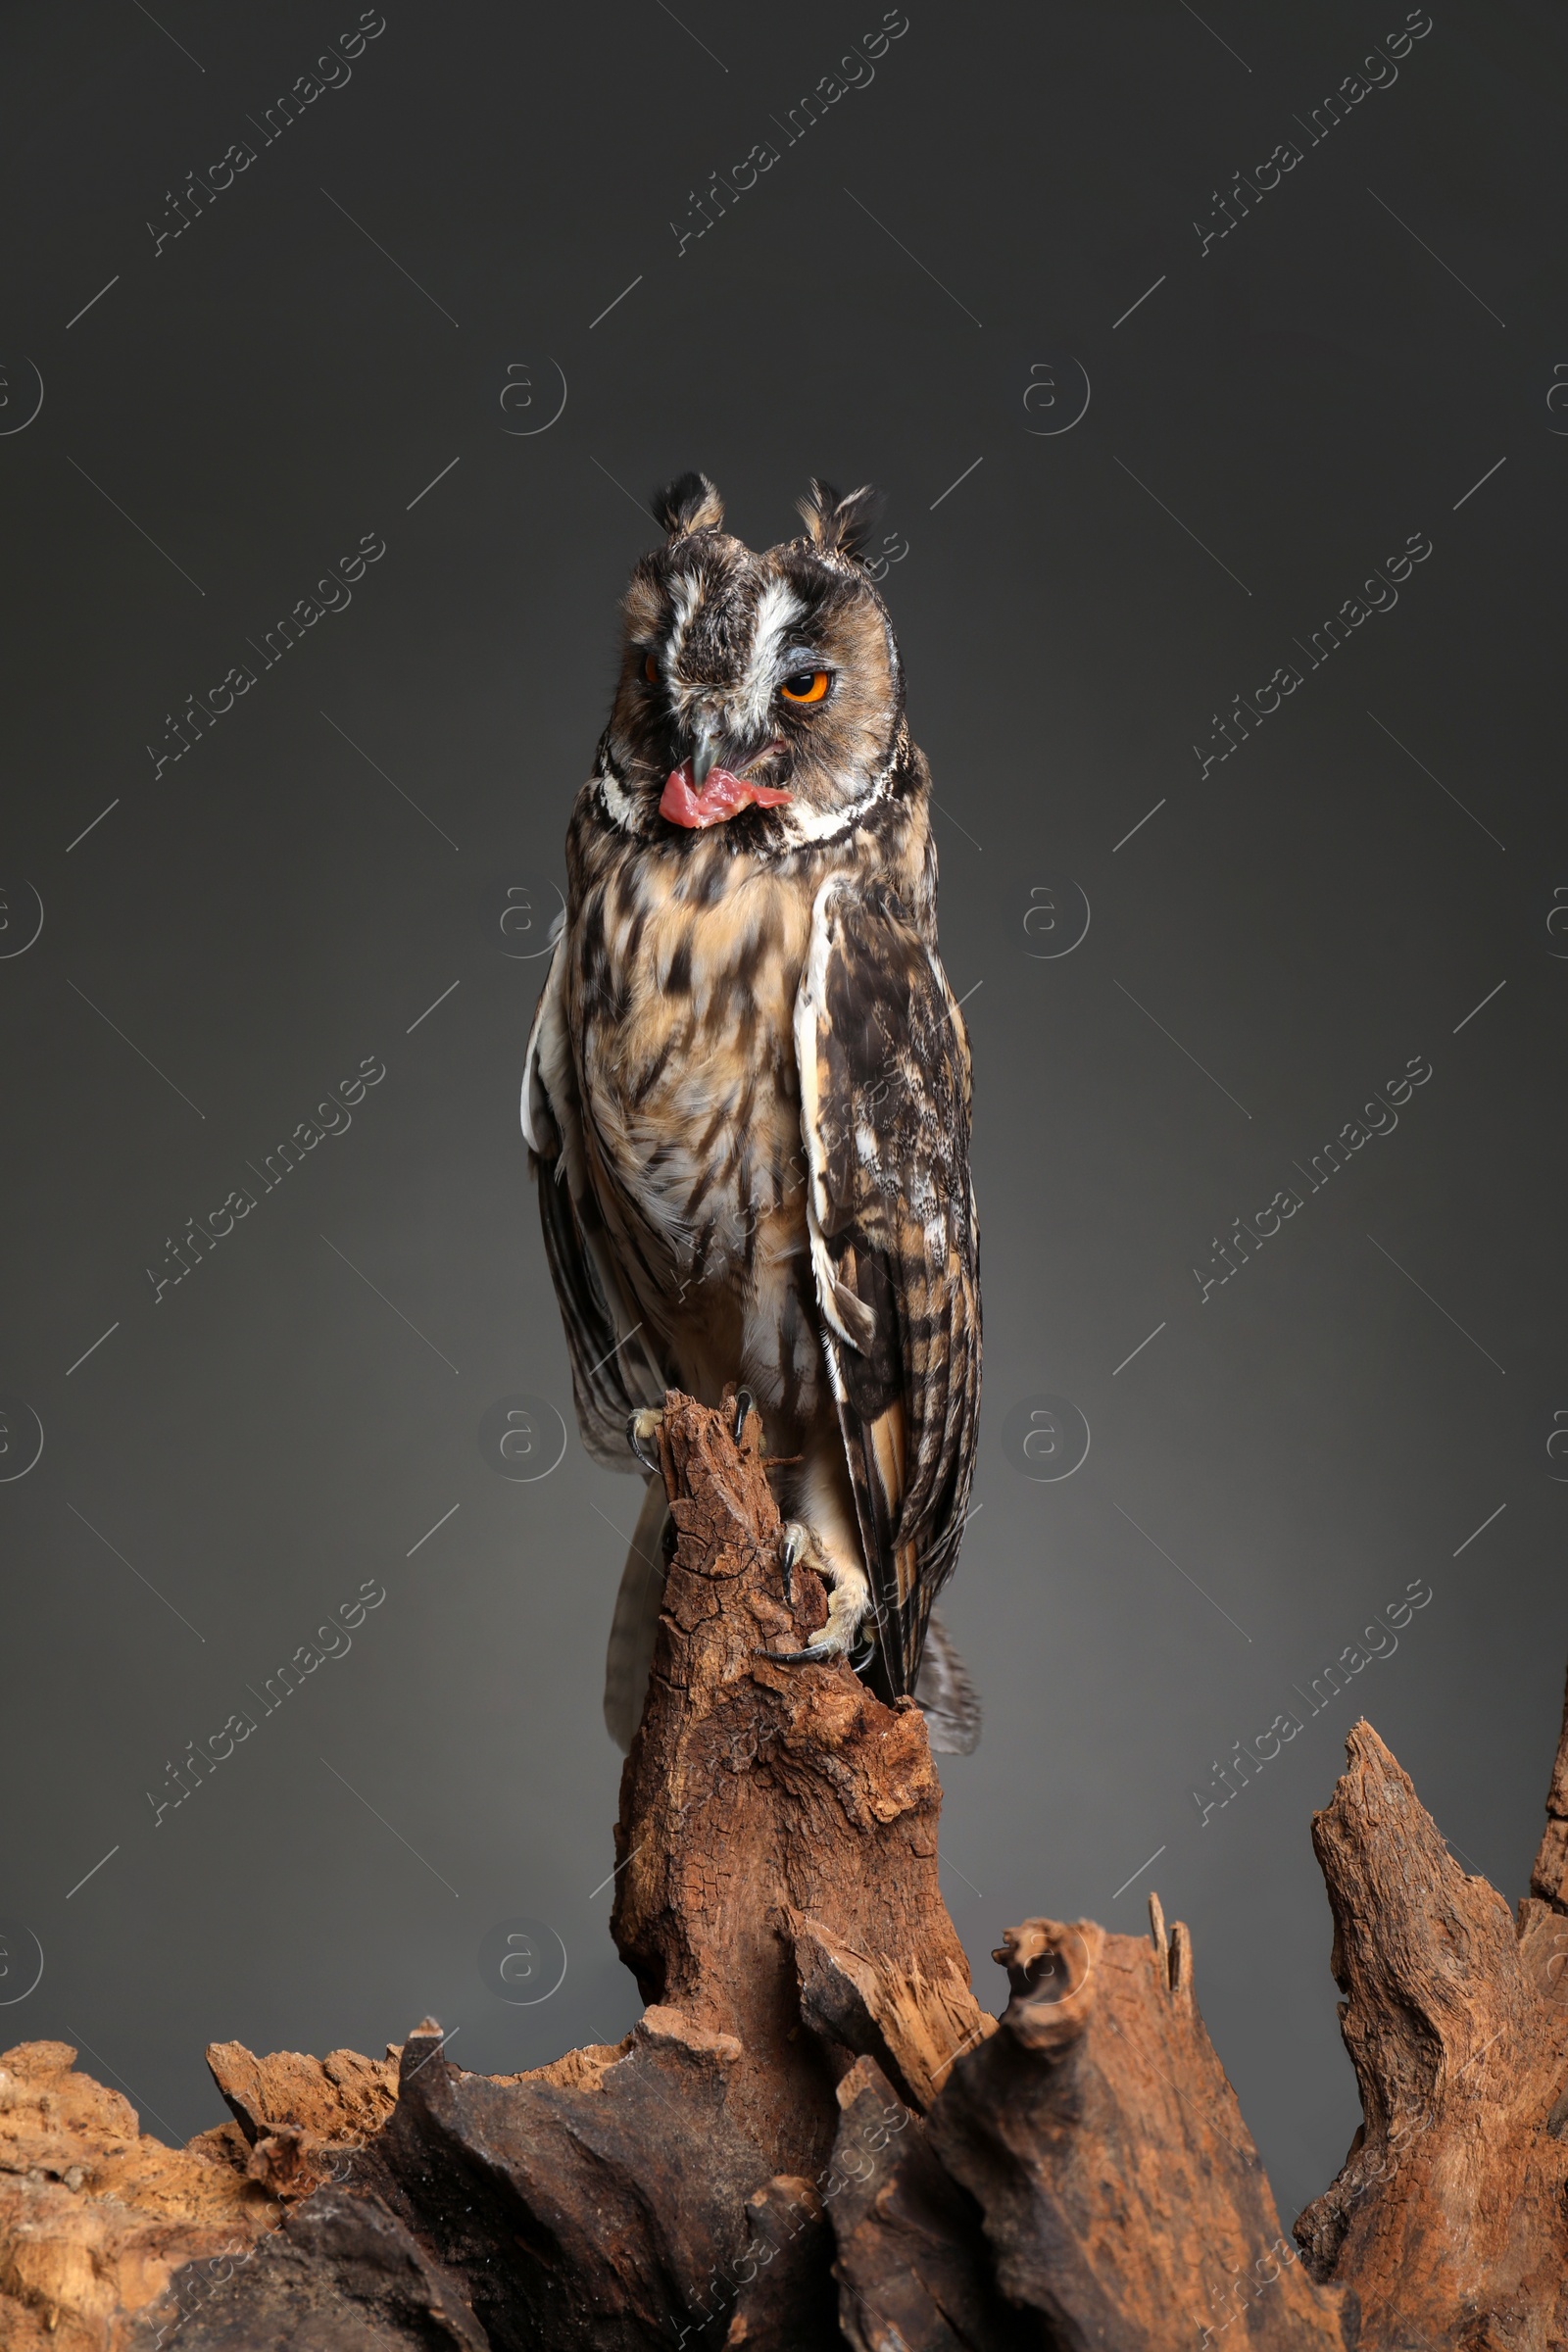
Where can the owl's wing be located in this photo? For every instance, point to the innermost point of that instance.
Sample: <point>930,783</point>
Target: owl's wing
<point>884,1066</point>
<point>611,1374</point>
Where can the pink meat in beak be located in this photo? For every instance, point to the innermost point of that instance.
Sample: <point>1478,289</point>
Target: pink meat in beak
<point>723,793</point>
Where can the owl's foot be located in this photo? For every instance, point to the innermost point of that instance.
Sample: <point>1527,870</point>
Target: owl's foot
<point>849,1604</point>
<point>642,1435</point>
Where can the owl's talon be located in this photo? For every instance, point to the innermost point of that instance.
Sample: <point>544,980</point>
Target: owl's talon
<point>745,1404</point>
<point>794,1548</point>
<point>642,1435</point>
<point>863,1653</point>
<point>850,1602</point>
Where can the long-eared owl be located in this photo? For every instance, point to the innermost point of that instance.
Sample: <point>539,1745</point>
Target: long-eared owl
<point>746,1090</point>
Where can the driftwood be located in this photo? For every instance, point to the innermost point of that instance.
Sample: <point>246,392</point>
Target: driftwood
<point>1447,2219</point>
<point>816,2135</point>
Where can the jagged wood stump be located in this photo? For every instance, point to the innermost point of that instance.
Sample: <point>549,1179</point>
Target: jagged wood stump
<point>816,2137</point>
<point>776,1898</point>
<point>1446,2223</point>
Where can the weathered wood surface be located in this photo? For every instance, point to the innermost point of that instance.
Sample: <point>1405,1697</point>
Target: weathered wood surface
<point>1549,1881</point>
<point>777,1844</point>
<point>98,2220</point>
<point>297,2121</point>
<point>1447,2224</point>
<point>816,2137</point>
<point>911,2257</point>
<point>1122,2196</point>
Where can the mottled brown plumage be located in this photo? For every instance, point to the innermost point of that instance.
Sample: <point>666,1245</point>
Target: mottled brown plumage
<point>748,1081</point>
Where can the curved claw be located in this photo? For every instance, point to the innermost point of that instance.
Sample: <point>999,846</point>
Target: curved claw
<point>792,1548</point>
<point>861,1654</point>
<point>816,1655</point>
<point>745,1404</point>
<point>642,1444</point>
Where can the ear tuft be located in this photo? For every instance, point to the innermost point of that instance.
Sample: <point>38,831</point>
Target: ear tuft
<point>690,502</point>
<point>838,526</point>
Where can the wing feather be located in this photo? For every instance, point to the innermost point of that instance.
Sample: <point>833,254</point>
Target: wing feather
<point>611,1371</point>
<point>884,1065</point>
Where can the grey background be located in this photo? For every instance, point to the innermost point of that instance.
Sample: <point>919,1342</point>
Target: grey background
<point>1298,399</point>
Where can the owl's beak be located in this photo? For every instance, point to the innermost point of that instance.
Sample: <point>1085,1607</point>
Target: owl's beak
<point>703,757</point>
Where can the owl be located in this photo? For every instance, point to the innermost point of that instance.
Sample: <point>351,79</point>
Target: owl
<point>747,1091</point>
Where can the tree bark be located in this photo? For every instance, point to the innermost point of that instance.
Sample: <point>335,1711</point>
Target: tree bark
<point>816,2137</point>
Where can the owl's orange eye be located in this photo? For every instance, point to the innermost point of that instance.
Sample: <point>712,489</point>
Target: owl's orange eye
<point>806,686</point>
<point>650,669</point>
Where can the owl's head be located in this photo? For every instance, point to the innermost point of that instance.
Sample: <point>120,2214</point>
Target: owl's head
<point>761,691</point>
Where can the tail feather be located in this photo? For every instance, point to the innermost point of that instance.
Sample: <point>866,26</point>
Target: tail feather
<point>945,1695</point>
<point>630,1654</point>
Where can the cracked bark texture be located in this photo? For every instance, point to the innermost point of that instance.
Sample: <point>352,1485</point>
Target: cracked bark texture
<point>778,1824</point>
